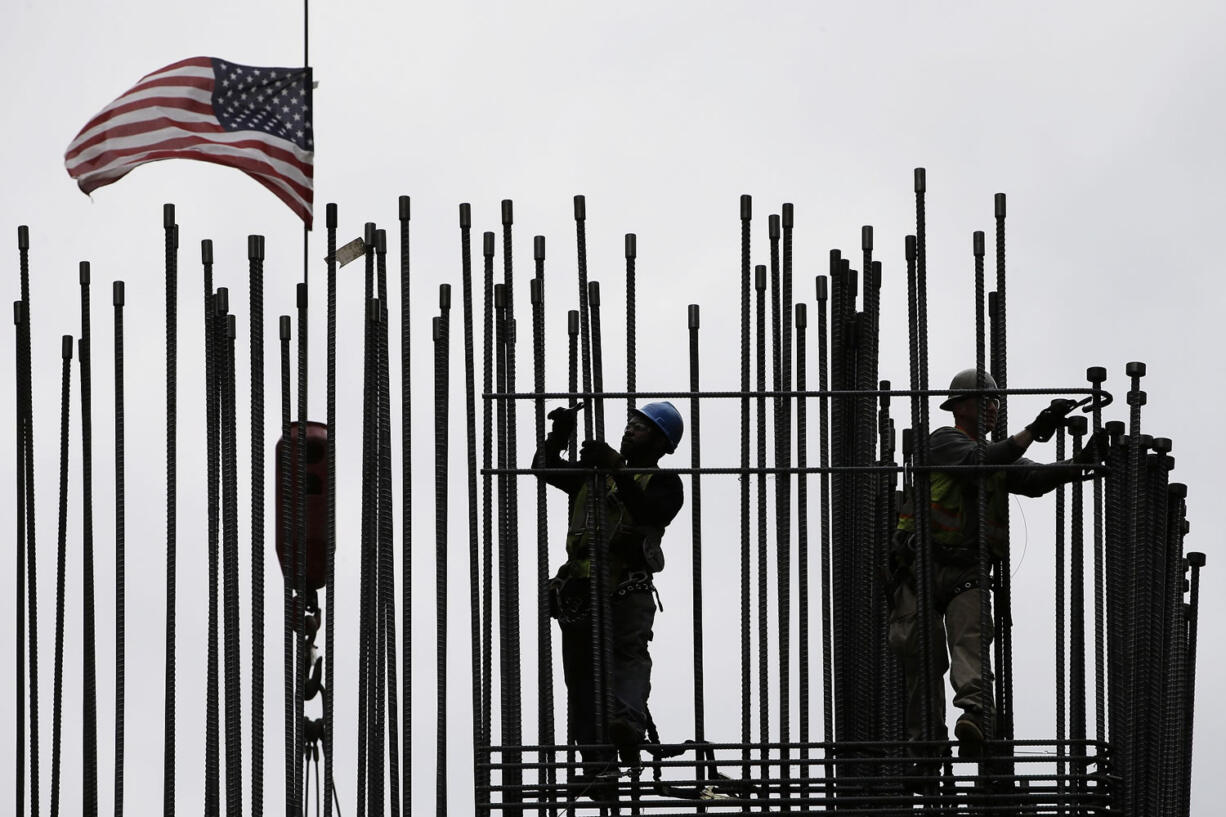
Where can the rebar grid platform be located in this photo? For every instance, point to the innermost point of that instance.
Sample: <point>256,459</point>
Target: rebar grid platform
<point>1016,777</point>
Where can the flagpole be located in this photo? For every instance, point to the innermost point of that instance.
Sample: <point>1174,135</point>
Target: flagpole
<point>306,63</point>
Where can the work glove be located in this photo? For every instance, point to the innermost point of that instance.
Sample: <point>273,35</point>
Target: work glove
<point>599,454</point>
<point>1051,418</point>
<point>564,422</point>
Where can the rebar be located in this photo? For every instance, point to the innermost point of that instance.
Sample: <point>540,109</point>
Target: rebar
<point>255,333</point>
<point>89,726</point>
<point>171,241</point>
<point>117,300</point>
<point>61,564</point>
<point>406,509</point>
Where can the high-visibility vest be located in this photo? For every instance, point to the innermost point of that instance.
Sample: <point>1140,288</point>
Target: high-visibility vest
<point>619,531</point>
<point>954,509</point>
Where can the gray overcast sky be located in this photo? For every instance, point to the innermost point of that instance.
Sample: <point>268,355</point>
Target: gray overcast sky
<point>1101,121</point>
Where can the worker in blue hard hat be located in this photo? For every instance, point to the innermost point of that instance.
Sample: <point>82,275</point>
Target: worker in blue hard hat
<point>637,504</point>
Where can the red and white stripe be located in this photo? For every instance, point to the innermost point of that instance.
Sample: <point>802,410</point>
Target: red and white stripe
<point>169,115</point>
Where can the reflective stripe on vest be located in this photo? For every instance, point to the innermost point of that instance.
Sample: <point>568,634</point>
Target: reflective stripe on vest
<point>617,522</point>
<point>953,511</point>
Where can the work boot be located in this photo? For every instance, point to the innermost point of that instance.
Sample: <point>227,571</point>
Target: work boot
<point>970,737</point>
<point>600,786</point>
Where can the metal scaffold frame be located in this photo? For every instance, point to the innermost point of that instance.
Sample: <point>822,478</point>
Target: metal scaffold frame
<point>1121,569</point>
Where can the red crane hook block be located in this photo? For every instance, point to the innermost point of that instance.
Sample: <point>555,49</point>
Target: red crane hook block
<point>316,545</point>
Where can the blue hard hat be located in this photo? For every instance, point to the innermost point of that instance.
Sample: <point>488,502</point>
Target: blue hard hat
<point>664,416</point>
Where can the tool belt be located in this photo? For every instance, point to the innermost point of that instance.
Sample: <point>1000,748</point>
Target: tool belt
<point>902,562</point>
<point>570,598</point>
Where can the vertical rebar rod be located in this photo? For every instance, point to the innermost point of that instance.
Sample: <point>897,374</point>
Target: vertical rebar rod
<point>572,334</point>
<point>1138,632</point>
<point>330,566</point>
<point>368,578</point>
<point>20,540</point>
<point>783,484</point>
<point>597,364</point>
<point>920,487</point>
<point>406,508</point>
<point>1003,594</point>
<point>255,295</point>
<point>229,488</point>
<point>474,538</point>
<point>823,437</point>
<point>300,546</point>
<point>19,716</point>
<point>117,299</point>
<point>981,494</point>
<point>763,587</point>
<point>802,542</point>
<point>25,398</point>
<point>499,407</point>
<point>585,331</point>
<point>696,523</point>
<point>746,215</point>
<point>545,726</point>
<point>1061,623</point>
<point>513,735</point>
<point>387,576</point>
<point>441,423</point>
<point>1077,669</point>
<point>89,725</point>
<point>285,535</point>
<point>1196,561</point>
<point>171,241</point>
<point>212,734</point>
<point>631,356</point>
<point>61,563</point>
<point>1097,375</point>
<point>487,493</point>
<point>512,716</point>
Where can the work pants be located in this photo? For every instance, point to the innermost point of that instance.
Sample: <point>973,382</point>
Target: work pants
<point>632,617</point>
<point>955,643</point>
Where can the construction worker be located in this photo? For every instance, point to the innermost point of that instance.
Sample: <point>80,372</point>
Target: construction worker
<point>955,579</point>
<point>635,508</point>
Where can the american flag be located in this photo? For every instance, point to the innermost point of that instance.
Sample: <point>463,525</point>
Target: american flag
<point>255,119</point>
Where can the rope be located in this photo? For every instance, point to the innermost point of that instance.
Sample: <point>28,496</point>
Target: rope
<point>120,556</point>
<point>255,286</point>
<point>172,330</point>
<point>61,563</point>
<point>89,638</point>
